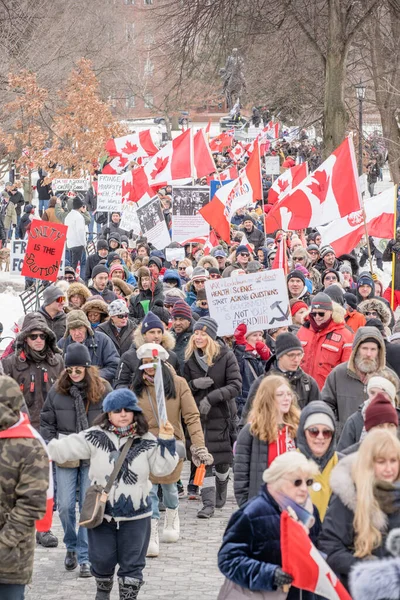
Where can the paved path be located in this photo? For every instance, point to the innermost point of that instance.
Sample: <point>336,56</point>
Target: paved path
<point>186,570</point>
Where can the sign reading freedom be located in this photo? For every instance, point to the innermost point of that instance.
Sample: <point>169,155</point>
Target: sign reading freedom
<point>260,300</point>
<point>44,250</point>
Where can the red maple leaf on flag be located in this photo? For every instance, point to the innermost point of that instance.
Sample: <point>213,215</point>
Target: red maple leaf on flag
<point>122,161</point>
<point>223,177</point>
<point>160,165</point>
<point>320,187</point>
<point>129,148</point>
<point>283,185</point>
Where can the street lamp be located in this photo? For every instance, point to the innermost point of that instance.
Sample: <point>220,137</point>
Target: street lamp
<point>360,93</point>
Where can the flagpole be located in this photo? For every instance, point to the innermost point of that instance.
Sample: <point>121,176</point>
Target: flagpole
<point>366,234</point>
<point>393,254</point>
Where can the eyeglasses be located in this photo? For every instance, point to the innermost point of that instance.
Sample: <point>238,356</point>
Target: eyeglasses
<point>118,411</point>
<point>181,268</point>
<point>244,254</point>
<point>298,258</point>
<point>35,336</point>
<point>214,276</point>
<point>121,316</point>
<point>371,313</point>
<point>68,278</point>
<point>298,482</point>
<point>333,278</point>
<point>314,432</point>
<point>317,314</point>
<point>76,370</point>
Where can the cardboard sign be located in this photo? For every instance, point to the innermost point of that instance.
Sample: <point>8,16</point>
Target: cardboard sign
<point>186,220</point>
<point>260,300</point>
<point>69,185</point>
<point>174,254</point>
<point>129,219</point>
<point>109,193</point>
<point>44,250</point>
<point>272,165</point>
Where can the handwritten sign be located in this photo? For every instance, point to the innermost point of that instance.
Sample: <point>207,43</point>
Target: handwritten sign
<point>260,300</point>
<point>44,250</point>
<point>109,193</point>
<point>129,219</point>
<point>272,165</point>
<point>70,185</point>
<point>174,254</point>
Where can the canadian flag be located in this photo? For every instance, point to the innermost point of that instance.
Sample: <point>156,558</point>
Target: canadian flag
<point>237,152</point>
<point>229,198</point>
<point>134,144</point>
<point>272,130</point>
<point>135,185</point>
<point>174,161</point>
<point>281,258</point>
<point>203,160</point>
<point>245,242</point>
<point>304,563</point>
<point>115,166</point>
<point>329,193</point>
<point>344,234</point>
<point>223,140</point>
<point>225,175</point>
<point>286,182</point>
<point>211,242</point>
<point>196,240</point>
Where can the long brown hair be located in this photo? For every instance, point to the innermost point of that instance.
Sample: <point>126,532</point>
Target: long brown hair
<point>263,417</point>
<point>95,384</point>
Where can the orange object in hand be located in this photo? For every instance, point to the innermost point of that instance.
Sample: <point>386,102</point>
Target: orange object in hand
<point>199,475</point>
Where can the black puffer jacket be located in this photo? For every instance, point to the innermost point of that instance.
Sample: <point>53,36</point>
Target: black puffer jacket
<point>156,304</point>
<point>227,385</point>
<point>58,324</point>
<point>103,353</point>
<point>251,460</point>
<point>181,342</point>
<point>59,415</point>
<point>123,339</point>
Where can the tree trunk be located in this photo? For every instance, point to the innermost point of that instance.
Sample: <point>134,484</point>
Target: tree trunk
<point>391,133</point>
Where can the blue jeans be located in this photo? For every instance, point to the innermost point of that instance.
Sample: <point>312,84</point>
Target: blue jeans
<point>83,264</point>
<point>12,591</point>
<point>92,226</point>
<point>67,483</point>
<point>170,498</point>
<point>44,204</point>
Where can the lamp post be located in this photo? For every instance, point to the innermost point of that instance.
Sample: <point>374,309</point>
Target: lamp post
<point>360,93</point>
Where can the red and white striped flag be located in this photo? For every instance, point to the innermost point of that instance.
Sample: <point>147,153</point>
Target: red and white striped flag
<point>211,242</point>
<point>286,182</point>
<point>174,161</point>
<point>134,144</point>
<point>327,194</point>
<point>203,161</point>
<point>222,141</point>
<point>229,198</point>
<point>344,234</point>
<point>281,259</point>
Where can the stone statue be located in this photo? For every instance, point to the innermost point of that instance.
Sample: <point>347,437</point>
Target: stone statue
<point>234,82</point>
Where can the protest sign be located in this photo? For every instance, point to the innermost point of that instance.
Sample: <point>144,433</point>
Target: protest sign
<point>109,193</point>
<point>215,185</point>
<point>44,250</point>
<point>260,300</point>
<point>272,165</point>
<point>174,254</point>
<point>69,185</point>
<point>186,220</point>
<point>152,223</point>
<point>129,219</point>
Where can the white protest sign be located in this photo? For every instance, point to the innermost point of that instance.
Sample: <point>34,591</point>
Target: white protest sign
<point>174,254</point>
<point>17,255</point>
<point>109,193</point>
<point>187,222</point>
<point>129,219</point>
<point>69,185</point>
<point>152,223</point>
<point>259,300</point>
<point>272,165</point>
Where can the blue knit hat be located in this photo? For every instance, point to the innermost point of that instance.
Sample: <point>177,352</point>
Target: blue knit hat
<point>151,321</point>
<point>121,398</point>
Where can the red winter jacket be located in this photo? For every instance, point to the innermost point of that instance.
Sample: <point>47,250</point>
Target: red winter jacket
<point>327,349</point>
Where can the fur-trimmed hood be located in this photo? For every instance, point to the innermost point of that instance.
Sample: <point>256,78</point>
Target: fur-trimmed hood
<point>35,321</point>
<point>378,306</point>
<point>361,335</point>
<point>125,288</point>
<point>167,342</point>
<point>96,304</point>
<point>342,484</point>
<point>338,312</point>
<point>208,259</point>
<point>78,288</point>
<point>350,259</point>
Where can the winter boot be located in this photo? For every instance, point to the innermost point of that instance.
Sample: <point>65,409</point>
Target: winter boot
<point>171,526</point>
<point>129,587</point>
<point>221,490</point>
<point>104,587</point>
<point>208,499</point>
<point>153,549</point>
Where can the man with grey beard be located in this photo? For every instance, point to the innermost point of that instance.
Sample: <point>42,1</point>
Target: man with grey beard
<point>346,386</point>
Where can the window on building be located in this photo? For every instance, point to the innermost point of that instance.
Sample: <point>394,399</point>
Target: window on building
<point>148,68</point>
<point>130,101</point>
<point>148,39</point>
<point>129,31</point>
<point>148,100</point>
<point>129,1</point>
<point>148,2</point>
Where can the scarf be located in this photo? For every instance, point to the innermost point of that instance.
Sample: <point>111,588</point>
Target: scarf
<point>24,429</point>
<point>201,360</point>
<point>78,392</point>
<point>318,328</point>
<point>388,496</point>
<point>122,432</point>
<point>34,355</point>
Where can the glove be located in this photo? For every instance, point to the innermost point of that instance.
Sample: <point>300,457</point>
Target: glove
<point>262,350</point>
<point>204,407</point>
<point>202,383</point>
<point>281,578</point>
<point>239,334</point>
<point>201,456</point>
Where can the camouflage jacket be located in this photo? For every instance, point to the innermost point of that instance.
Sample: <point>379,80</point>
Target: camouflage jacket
<point>24,479</point>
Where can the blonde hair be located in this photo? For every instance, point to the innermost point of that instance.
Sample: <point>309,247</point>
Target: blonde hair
<point>379,443</point>
<point>211,351</point>
<point>263,417</point>
<point>289,463</point>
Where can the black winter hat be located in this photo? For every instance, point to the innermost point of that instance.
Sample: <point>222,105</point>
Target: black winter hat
<point>350,299</point>
<point>113,256</point>
<point>327,271</point>
<point>336,293</point>
<point>321,301</point>
<point>156,261</point>
<point>378,324</point>
<point>114,235</point>
<point>286,342</point>
<point>151,321</point>
<point>209,325</point>
<point>77,203</point>
<point>77,355</point>
<point>102,245</point>
<point>298,274</point>
<point>99,269</point>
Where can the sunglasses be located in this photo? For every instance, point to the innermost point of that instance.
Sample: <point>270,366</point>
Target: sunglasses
<point>68,278</point>
<point>298,482</point>
<point>35,336</point>
<point>60,300</point>
<point>118,411</point>
<point>181,268</point>
<point>371,313</point>
<point>298,258</point>
<point>77,370</point>
<point>314,432</point>
<point>317,313</point>
<point>331,278</point>
<point>214,276</point>
<point>121,316</point>
<point>243,254</point>
<point>203,304</point>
